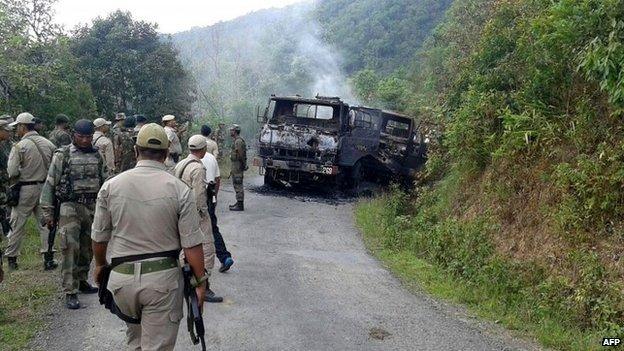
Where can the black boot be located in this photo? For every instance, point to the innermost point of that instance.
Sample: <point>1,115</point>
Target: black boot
<point>211,297</point>
<point>12,263</point>
<point>48,261</point>
<point>238,206</point>
<point>71,301</point>
<point>86,288</point>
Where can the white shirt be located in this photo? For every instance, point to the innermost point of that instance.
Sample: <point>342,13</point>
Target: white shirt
<point>212,167</point>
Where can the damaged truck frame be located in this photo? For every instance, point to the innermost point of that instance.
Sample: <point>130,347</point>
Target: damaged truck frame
<point>324,140</point>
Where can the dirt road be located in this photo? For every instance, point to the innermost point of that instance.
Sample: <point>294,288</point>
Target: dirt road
<point>302,281</point>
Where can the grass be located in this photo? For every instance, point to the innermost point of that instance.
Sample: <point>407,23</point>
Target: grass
<point>25,295</point>
<point>487,298</point>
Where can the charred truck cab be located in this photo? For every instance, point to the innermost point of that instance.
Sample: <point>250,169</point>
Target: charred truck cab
<point>323,140</point>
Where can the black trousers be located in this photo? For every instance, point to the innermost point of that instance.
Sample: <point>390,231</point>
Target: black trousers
<point>220,248</point>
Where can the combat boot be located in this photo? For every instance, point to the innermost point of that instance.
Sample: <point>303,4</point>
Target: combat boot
<point>86,288</point>
<point>49,263</point>
<point>238,206</point>
<point>12,263</point>
<point>71,301</point>
<point>212,297</point>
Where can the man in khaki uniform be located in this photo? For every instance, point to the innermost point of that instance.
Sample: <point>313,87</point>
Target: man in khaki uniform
<point>211,145</point>
<point>28,165</point>
<point>73,181</point>
<point>103,143</point>
<point>238,156</point>
<point>143,217</point>
<point>192,172</point>
<point>175,147</point>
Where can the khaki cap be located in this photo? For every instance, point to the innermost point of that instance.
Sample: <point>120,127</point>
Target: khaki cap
<point>235,127</point>
<point>7,118</point>
<point>120,116</point>
<point>6,125</point>
<point>197,142</point>
<point>100,122</point>
<point>152,136</point>
<point>168,118</point>
<point>23,118</point>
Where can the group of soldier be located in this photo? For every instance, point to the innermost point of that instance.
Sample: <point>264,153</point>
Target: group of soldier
<point>128,202</point>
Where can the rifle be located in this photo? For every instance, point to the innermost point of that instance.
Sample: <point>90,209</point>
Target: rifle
<point>194,320</point>
<point>53,227</point>
<point>4,222</point>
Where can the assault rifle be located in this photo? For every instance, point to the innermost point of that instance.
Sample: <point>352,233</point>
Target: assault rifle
<point>54,226</point>
<point>194,320</point>
<point>4,222</point>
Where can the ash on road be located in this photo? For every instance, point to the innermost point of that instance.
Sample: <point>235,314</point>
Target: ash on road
<point>302,280</point>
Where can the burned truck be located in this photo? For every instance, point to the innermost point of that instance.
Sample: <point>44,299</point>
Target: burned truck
<point>323,140</point>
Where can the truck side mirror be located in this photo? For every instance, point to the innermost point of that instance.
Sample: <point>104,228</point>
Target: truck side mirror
<point>261,118</point>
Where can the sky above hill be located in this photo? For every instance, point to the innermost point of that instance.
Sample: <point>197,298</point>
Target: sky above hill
<point>171,16</point>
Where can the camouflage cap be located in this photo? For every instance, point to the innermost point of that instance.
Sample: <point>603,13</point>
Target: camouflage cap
<point>120,116</point>
<point>235,127</point>
<point>24,118</point>
<point>152,136</point>
<point>168,118</point>
<point>61,118</point>
<point>197,142</point>
<point>6,125</point>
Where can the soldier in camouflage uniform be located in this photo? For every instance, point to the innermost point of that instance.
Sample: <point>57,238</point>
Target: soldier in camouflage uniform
<point>60,136</point>
<point>123,145</point>
<point>238,156</point>
<point>5,136</point>
<point>76,174</point>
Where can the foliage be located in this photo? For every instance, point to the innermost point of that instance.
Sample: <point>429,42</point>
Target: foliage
<point>39,74</point>
<point>131,68</point>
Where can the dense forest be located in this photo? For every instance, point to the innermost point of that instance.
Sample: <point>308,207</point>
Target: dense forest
<point>115,64</point>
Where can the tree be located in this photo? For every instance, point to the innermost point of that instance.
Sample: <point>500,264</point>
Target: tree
<point>133,69</point>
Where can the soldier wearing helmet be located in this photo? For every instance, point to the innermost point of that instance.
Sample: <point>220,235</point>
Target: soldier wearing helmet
<point>76,174</point>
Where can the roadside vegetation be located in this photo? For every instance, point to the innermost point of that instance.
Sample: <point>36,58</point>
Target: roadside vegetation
<point>26,295</point>
<point>520,205</point>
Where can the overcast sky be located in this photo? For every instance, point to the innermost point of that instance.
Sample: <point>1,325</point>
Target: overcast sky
<point>172,16</point>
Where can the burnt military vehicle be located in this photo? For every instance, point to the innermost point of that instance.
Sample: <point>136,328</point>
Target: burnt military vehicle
<point>324,140</point>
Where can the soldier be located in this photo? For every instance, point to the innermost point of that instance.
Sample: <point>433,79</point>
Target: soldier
<point>192,172</point>
<point>104,144</point>
<point>211,145</point>
<point>5,135</point>
<point>123,145</point>
<point>238,156</point>
<point>28,165</point>
<point>147,239</point>
<point>60,136</point>
<point>73,181</point>
<point>140,122</point>
<point>175,147</point>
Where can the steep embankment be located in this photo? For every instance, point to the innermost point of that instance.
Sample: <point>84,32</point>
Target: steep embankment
<point>521,204</point>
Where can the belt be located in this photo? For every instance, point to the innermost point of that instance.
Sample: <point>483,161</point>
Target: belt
<point>32,182</point>
<point>148,266</point>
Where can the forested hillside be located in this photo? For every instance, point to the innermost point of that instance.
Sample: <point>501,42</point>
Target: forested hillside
<point>329,47</point>
<point>522,201</point>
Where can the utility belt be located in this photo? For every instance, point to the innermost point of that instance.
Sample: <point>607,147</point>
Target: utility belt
<point>13,193</point>
<point>125,265</point>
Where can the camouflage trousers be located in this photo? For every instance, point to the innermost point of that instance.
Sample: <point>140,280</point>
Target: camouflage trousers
<point>75,241</point>
<point>237,182</point>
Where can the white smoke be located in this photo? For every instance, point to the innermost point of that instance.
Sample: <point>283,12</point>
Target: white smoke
<point>324,65</point>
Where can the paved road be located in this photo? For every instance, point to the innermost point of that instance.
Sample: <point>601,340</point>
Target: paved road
<point>302,281</point>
